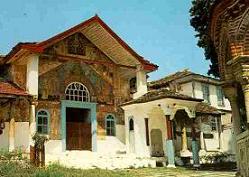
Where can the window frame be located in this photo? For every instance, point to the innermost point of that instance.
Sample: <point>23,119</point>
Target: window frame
<point>214,122</point>
<point>204,86</point>
<point>113,129</point>
<point>219,92</point>
<point>42,125</point>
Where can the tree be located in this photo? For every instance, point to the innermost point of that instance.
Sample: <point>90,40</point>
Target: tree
<point>200,13</point>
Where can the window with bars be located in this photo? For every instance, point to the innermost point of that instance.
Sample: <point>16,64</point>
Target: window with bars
<point>110,125</point>
<point>205,92</point>
<point>220,97</point>
<point>77,92</point>
<point>42,120</point>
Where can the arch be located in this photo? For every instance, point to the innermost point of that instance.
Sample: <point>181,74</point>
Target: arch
<point>76,91</point>
<point>43,121</point>
<point>110,125</point>
<point>131,124</point>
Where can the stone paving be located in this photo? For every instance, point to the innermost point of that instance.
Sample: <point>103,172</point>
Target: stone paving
<point>180,172</point>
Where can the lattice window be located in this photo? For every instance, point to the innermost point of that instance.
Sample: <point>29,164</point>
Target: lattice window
<point>110,126</point>
<point>42,120</point>
<point>77,92</point>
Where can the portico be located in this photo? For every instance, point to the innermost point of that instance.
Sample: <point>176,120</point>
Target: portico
<point>164,114</point>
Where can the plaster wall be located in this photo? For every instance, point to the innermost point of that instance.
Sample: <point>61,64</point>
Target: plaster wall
<point>187,89</point>
<point>156,121</point>
<point>213,96</point>
<point>22,136</point>
<point>32,74</point>
<point>4,138</point>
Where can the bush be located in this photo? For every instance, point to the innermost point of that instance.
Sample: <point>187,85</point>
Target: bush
<point>14,155</point>
<point>218,157</point>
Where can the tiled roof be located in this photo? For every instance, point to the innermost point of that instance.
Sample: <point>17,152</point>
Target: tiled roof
<point>170,78</point>
<point>204,108</point>
<point>11,89</point>
<point>160,94</point>
<point>181,74</point>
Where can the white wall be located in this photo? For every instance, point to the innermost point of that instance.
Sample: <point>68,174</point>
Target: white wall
<point>4,138</point>
<point>22,136</point>
<point>156,121</point>
<point>113,144</point>
<point>213,96</point>
<point>186,89</point>
<point>21,139</point>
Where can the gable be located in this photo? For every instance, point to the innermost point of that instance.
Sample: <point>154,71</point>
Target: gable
<point>100,34</point>
<point>76,45</point>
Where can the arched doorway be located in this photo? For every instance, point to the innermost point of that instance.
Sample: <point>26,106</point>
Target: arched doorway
<point>78,119</point>
<point>182,133</point>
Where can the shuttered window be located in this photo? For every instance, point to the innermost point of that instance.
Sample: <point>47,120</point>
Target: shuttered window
<point>205,92</point>
<point>220,97</point>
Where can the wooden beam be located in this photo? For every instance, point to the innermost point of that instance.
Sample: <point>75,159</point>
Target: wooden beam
<point>87,60</point>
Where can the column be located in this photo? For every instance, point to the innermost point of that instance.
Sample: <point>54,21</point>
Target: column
<point>246,96</point>
<point>185,152</point>
<point>195,148</point>
<point>32,74</point>
<point>12,134</point>
<point>202,142</point>
<point>141,77</point>
<point>184,139</point>
<point>32,122</point>
<point>231,94</point>
<point>169,143</point>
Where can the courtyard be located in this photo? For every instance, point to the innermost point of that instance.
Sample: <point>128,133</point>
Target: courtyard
<point>14,169</point>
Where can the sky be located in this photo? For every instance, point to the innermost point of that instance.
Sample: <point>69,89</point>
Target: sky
<point>158,30</point>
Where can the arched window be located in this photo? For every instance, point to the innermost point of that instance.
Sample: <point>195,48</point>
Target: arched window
<point>42,119</point>
<point>77,92</point>
<point>131,124</point>
<point>110,125</point>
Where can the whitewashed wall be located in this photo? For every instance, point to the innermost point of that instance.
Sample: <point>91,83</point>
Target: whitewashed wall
<point>21,140</point>
<point>4,138</point>
<point>22,136</point>
<point>113,144</point>
<point>156,121</point>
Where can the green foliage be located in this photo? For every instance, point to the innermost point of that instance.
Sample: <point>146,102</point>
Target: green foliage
<point>15,169</point>
<point>219,157</point>
<point>39,140</point>
<point>14,155</point>
<point>200,13</point>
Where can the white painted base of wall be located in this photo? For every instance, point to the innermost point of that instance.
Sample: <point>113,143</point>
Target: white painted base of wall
<point>21,139</point>
<point>90,160</point>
